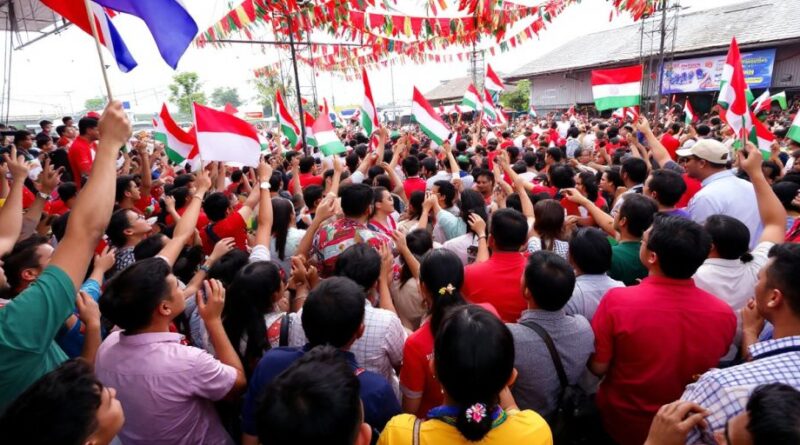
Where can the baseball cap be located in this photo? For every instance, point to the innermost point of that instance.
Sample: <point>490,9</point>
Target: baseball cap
<point>708,149</point>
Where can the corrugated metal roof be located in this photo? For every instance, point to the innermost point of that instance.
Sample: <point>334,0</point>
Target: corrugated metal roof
<point>751,23</point>
<point>449,89</point>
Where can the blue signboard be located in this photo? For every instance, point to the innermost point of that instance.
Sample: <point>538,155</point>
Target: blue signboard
<point>702,74</point>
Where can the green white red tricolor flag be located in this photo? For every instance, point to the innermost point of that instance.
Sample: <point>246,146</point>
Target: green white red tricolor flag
<point>762,138</point>
<point>626,112</point>
<point>493,81</point>
<point>794,130</point>
<point>733,94</point>
<point>617,88</point>
<point>325,136</point>
<point>472,99</point>
<point>688,111</point>
<point>288,126</point>
<point>224,137</point>
<point>762,102</point>
<point>309,123</point>
<point>532,111</point>
<point>369,114</point>
<point>489,111</point>
<point>781,99</point>
<point>179,145</point>
<point>429,121</point>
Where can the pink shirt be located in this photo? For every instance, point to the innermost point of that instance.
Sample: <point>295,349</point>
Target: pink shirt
<point>165,388</point>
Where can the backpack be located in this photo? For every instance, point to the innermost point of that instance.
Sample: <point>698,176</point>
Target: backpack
<point>576,421</point>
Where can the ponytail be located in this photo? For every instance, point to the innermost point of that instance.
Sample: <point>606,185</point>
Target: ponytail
<point>746,257</point>
<point>442,273</point>
<point>475,421</point>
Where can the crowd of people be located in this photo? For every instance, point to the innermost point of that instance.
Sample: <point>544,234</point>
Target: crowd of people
<point>569,279</point>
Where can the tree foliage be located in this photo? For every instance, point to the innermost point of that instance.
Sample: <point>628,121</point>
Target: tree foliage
<point>95,103</point>
<point>266,88</point>
<point>185,89</point>
<point>517,99</point>
<point>225,95</point>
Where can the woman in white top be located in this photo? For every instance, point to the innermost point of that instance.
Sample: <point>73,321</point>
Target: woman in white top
<point>285,235</point>
<point>547,227</point>
<point>731,272</point>
<point>466,246</point>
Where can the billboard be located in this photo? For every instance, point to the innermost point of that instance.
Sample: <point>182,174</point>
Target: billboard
<point>702,74</point>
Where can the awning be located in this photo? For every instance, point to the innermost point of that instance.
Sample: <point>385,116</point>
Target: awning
<point>29,20</point>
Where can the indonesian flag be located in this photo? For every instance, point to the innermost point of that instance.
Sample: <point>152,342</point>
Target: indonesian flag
<point>472,99</point>
<point>369,114</point>
<point>288,126</point>
<point>794,130</point>
<point>223,137</point>
<point>732,94</point>
<point>230,109</point>
<point>178,144</point>
<point>493,81</point>
<point>532,111</point>
<point>327,140</point>
<point>429,122</point>
<point>489,111</point>
<point>689,113</point>
<point>619,87</point>
<point>309,123</point>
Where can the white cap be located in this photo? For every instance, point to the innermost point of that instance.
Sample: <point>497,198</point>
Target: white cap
<point>710,150</point>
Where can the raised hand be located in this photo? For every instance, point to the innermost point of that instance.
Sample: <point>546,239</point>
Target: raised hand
<point>114,125</point>
<point>88,310</point>
<point>222,247</point>
<point>477,224</point>
<point>105,260</point>
<point>16,164</point>
<point>210,307</point>
<point>49,178</point>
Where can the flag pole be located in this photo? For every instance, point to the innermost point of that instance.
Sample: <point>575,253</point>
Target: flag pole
<point>97,45</point>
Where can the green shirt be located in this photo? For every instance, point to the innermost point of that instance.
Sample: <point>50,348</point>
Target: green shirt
<point>28,326</point>
<point>625,264</point>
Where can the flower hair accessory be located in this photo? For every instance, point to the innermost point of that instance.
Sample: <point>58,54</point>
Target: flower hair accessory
<point>476,413</point>
<point>448,289</point>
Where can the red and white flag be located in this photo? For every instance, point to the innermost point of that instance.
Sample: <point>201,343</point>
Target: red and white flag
<point>493,81</point>
<point>223,137</point>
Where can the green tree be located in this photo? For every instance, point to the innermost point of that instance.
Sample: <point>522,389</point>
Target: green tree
<point>95,103</point>
<point>225,95</point>
<point>519,97</point>
<point>266,87</point>
<point>185,89</point>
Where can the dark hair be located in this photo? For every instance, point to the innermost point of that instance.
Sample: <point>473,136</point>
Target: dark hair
<point>236,176</point>
<point>59,226</point>
<point>555,153</point>
<point>415,201</point>
<point>356,199</point>
<point>315,400</point>
<point>561,176</point>
<point>226,268</point>
<point>134,293</point>
<point>216,206</point>
<point>377,196</point>
<point>66,191</point>
<point>635,168</point>
<point>668,186</point>
<point>548,222</point>
<point>549,279</point>
<point>448,192</point>
<point>123,185</point>
<point>333,312</point>
<point>44,122</point>
<point>786,192</point>
<point>60,130</point>
<point>474,359</point>
<point>85,124</point>
<point>419,242</point>
<point>42,140</point>
<point>730,236</point>
<point>181,195</point>
<point>311,194</point>
<point>360,263</point>
<point>276,181</point>
<point>306,164</point>
<point>281,220</point>
<point>429,164</point>
<point>117,225</point>
<point>703,130</point>
<point>638,210</point>
<point>530,159</point>
<point>249,297</point>
<point>22,256</point>
<point>485,172</point>
<point>68,397</point>
<point>681,245</point>
<point>183,180</point>
<point>590,250</point>
<point>20,135</point>
<point>784,273</point>
<point>589,181</point>
<point>773,416</point>
<point>509,230</point>
<point>150,246</point>
<point>613,176</point>
<point>411,166</point>
<point>439,269</point>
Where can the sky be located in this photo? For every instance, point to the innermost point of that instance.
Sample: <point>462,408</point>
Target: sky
<point>56,75</point>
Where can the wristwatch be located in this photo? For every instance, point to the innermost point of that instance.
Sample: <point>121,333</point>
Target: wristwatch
<point>264,185</point>
<point>43,195</point>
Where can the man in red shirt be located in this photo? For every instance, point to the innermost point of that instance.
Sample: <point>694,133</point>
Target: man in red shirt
<point>653,339</point>
<point>497,281</point>
<point>413,182</point>
<point>670,142</point>
<point>81,151</point>
<point>135,195</point>
<point>225,222</point>
<point>307,176</point>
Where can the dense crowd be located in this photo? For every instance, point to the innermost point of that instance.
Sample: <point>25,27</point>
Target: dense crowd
<point>558,280</point>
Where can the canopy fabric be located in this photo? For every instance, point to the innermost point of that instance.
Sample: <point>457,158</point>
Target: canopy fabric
<point>28,20</point>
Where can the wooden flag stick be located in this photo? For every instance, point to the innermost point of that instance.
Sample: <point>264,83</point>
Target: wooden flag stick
<point>92,24</point>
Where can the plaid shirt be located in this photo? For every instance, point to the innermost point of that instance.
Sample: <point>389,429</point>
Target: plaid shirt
<point>724,392</point>
<point>334,238</point>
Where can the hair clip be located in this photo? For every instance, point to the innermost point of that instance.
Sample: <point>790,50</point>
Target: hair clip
<point>476,413</point>
<point>449,289</point>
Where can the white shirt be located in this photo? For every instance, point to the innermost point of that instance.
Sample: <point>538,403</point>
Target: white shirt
<point>725,194</point>
<point>563,127</point>
<point>465,247</point>
<point>733,282</point>
<point>443,175</point>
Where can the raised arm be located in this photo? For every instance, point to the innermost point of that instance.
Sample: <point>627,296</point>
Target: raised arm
<point>519,185</point>
<point>48,181</point>
<point>93,207</point>
<point>11,212</point>
<point>144,168</point>
<point>337,175</point>
<point>660,154</point>
<point>264,230</point>
<point>603,219</point>
<point>184,229</point>
<point>773,215</point>
<point>250,203</point>
<point>325,210</point>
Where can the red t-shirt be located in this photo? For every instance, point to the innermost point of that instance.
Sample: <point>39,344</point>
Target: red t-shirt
<point>507,143</point>
<point>657,336</point>
<point>232,226</point>
<point>692,187</point>
<point>80,159</point>
<point>58,207</point>
<point>496,282</point>
<point>306,179</point>
<point>411,185</point>
<point>202,219</point>
<point>576,210</point>
<point>544,189</point>
<point>671,144</point>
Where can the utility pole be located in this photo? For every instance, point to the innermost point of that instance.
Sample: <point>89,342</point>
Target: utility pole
<point>297,86</point>
<point>660,74</point>
<point>394,103</point>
